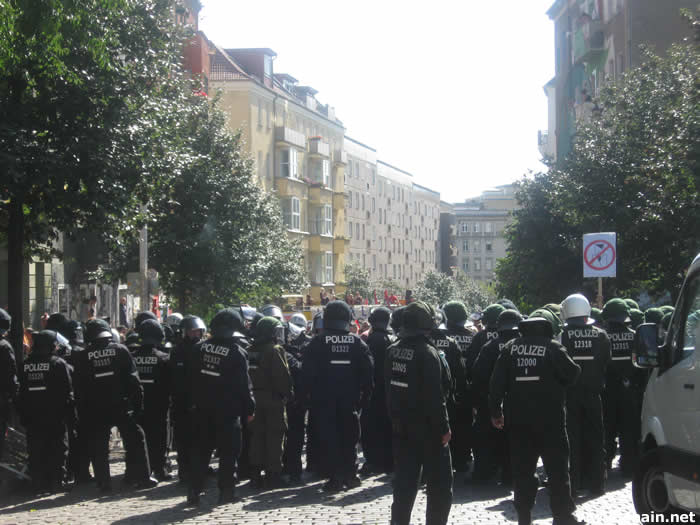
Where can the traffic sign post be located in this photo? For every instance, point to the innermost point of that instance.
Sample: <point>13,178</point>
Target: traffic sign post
<point>600,258</point>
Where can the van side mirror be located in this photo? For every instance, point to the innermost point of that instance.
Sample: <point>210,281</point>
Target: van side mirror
<point>646,347</point>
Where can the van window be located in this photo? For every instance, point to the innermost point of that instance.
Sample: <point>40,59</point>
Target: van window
<point>691,319</point>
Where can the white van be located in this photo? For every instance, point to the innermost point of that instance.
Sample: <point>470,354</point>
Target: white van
<point>668,478</point>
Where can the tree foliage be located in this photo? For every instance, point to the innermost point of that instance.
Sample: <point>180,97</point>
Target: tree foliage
<point>357,279</point>
<point>633,170</point>
<point>436,288</point>
<point>216,237</point>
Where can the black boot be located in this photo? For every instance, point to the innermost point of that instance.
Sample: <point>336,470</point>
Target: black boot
<point>192,498</point>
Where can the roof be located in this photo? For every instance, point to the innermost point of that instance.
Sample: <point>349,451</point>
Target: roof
<point>285,76</point>
<point>394,168</point>
<point>553,11</point>
<point>426,189</point>
<point>360,143</point>
<point>253,50</point>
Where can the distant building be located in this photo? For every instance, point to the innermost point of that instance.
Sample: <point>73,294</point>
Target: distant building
<point>595,42</point>
<point>472,233</point>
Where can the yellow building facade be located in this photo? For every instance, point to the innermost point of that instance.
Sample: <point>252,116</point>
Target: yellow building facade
<point>297,146</point>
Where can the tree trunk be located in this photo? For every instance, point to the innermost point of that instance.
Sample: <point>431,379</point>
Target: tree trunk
<point>15,277</point>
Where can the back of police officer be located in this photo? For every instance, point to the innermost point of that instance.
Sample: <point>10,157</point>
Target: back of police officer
<point>296,411</point>
<point>624,386</point>
<point>154,374</point>
<point>417,390</point>
<point>220,395</point>
<point>46,405</point>
<point>9,385</point>
<point>589,347</point>
<point>491,444</point>
<point>460,409</point>
<point>531,375</point>
<point>192,330</point>
<point>376,425</point>
<point>337,380</point>
<point>108,393</point>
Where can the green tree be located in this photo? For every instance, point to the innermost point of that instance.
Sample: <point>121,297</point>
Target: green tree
<point>216,237</point>
<point>437,288</point>
<point>357,279</point>
<point>475,295</point>
<point>633,170</point>
<point>85,106</point>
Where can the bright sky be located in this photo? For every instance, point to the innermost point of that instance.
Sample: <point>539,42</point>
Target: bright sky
<point>448,90</point>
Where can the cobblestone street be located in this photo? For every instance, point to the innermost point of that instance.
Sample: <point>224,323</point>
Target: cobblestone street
<point>368,504</point>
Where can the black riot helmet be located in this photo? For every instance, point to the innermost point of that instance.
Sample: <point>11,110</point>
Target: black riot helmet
<point>379,318</point>
<point>5,321</point>
<point>192,322</point>
<point>133,341</point>
<point>317,323</point>
<point>253,326</point>
<point>73,331</point>
<point>271,310</point>
<point>56,321</point>
<point>97,329</point>
<point>45,342</point>
<point>397,319</point>
<point>226,322</point>
<point>508,320</point>
<point>142,316</point>
<point>337,316</point>
<point>150,332</point>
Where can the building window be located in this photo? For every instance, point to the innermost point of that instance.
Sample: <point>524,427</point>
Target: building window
<point>328,267</point>
<point>464,227</point>
<point>374,176</point>
<point>357,201</point>
<point>349,199</point>
<point>350,230</point>
<point>363,232</point>
<point>267,165</point>
<point>327,220</point>
<point>267,116</point>
<point>380,215</point>
<point>374,262</point>
<point>477,265</point>
<point>477,227</point>
<point>381,243</point>
<point>291,210</point>
<point>489,246</point>
<point>260,119</point>
<point>488,227</point>
<point>260,164</point>
<point>374,203</point>
<point>477,245</point>
<point>363,203</point>
<point>489,264</point>
<point>357,231</point>
<point>349,167</point>
<point>288,163</point>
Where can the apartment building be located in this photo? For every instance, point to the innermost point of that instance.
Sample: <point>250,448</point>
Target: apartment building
<point>297,145</point>
<point>473,232</point>
<point>596,41</point>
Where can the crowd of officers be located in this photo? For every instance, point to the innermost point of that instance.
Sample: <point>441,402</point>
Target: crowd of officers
<point>426,393</point>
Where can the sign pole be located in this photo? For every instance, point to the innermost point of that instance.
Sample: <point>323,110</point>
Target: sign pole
<point>600,293</point>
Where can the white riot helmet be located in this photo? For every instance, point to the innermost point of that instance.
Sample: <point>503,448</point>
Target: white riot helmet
<point>297,324</point>
<point>174,320</point>
<point>576,306</point>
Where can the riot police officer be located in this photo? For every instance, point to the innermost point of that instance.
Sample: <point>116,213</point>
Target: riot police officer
<point>154,374</point>
<point>460,409</point>
<point>296,411</point>
<point>490,320</point>
<point>109,394</point>
<point>338,379</point>
<point>375,422</point>
<point>192,330</point>
<point>491,443</point>
<point>220,395</point>
<point>272,387</point>
<point>589,347</point>
<point>531,375</point>
<point>417,390</point>
<point>46,405</point>
<point>624,385</point>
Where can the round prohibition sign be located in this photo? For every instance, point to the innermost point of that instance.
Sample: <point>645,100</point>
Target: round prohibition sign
<point>599,255</point>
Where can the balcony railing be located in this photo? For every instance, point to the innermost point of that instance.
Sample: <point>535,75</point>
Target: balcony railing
<point>340,156</point>
<point>290,136</point>
<point>589,41</point>
<point>316,147</point>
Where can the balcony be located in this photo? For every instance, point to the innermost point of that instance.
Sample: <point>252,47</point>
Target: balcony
<point>316,147</point>
<point>589,41</point>
<point>321,243</point>
<point>289,137</point>
<point>319,196</point>
<point>340,157</point>
<point>339,200</point>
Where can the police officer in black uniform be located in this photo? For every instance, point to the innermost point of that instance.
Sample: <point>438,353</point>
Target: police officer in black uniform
<point>46,405</point>
<point>375,422</point>
<point>192,330</point>
<point>589,347</point>
<point>9,385</point>
<point>417,388</point>
<point>491,450</point>
<point>460,411</point>
<point>531,375</point>
<point>624,384</point>
<point>220,394</point>
<point>337,380</point>
<point>109,394</point>
<point>154,374</point>
<point>296,411</point>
